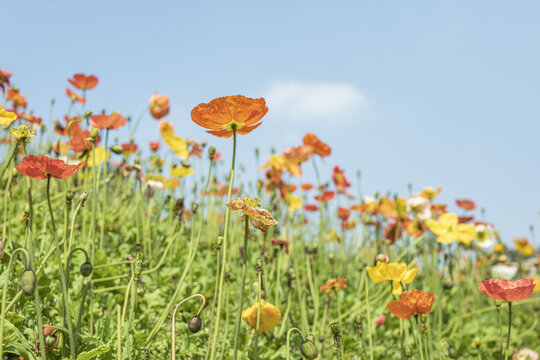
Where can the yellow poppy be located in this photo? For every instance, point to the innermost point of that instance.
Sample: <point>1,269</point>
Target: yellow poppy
<point>429,193</point>
<point>6,117</point>
<point>270,316</point>
<point>448,230</point>
<point>181,171</point>
<point>178,145</point>
<point>101,157</point>
<point>498,248</point>
<point>395,272</point>
<point>295,202</point>
<point>523,246</point>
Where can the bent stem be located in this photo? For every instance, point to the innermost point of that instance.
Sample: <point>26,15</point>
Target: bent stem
<point>224,258</point>
<point>173,340</point>
<point>242,286</point>
<point>289,340</point>
<point>65,296</point>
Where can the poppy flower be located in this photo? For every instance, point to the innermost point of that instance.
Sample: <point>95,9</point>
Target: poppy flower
<point>523,246</point>
<point>348,225</point>
<point>224,114</point>
<point>41,167</point>
<point>31,118</point>
<point>84,82</point>
<point>448,230</point>
<point>129,148</point>
<point>295,202</point>
<point>111,122</point>
<point>81,141</point>
<point>178,145</point>
<point>48,331</point>
<point>18,99</point>
<point>333,285</point>
<point>158,106</point>
<point>466,204</point>
<point>68,130</point>
<point>281,162</point>
<point>195,149</point>
<point>182,171</point>
<point>380,320</point>
<point>7,117</point>
<point>298,154</point>
<point>307,187</point>
<point>75,97</point>
<point>23,133</point>
<point>325,196</point>
<point>414,228</point>
<point>395,272</point>
<point>154,145</point>
<point>343,213</point>
<point>259,218</point>
<point>430,193</point>
<point>341,182</point>
<point>270,316</point>
<point>502,289</point>
<point>317,145</point>
<point>412,302</point>
<point>4,79</point>
<point>311,207</point>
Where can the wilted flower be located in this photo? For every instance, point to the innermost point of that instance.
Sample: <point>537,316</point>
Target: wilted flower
<point>270,316</point>
<point>259,218</point>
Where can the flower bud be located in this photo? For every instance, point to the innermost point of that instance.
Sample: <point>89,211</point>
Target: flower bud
<point>452,352</point>
<point>117,149</point>
<point>195,324</point>
<point>309,350</point>
<point>14,172</point>
<point>86,269</point>
<point>69,195</point>
<point>381,258</point>
<point>497,303</point>
<point>408,351</point>
<point>51,341</point>
<point>26,209</point>
<point>28,282</point>
<point>211,152</point>
<point>83,196</point>
<point>94,133</point>
<point>137,270</point>
<point>336,328</point>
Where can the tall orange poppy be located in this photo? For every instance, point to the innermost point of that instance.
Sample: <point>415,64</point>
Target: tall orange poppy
<point>224,114</point>
<point>411,302</point>
<point>317,145</point>
<point>102,121</point>
<point>84,82</point>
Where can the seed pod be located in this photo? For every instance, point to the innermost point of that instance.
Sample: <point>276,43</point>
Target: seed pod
<point>28,282</point>
<point>137,270</point>
<point>86,269</point>
<point>195,324</point>
<point>309,350</point>
<point>51,341</point>
<point>69,195</point>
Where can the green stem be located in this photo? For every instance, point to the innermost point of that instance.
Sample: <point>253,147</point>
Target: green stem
<point>173,329</point>
<point>65,296</point>
<point>242,286</point>
<point>509,329</point>
<point>289,340</point>
<point>370,332</point>
<point>224,258</point>
<point>255,343</point>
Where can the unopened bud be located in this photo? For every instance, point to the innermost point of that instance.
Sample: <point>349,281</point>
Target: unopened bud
<point>69,195</point>
<point>14,172</point>
<point>381,258</point>
<point>407,351</point>
<point>211,152</point>
<point>452,352</point>
<point>336,328</point>
<point>309,350</point>
<point>423,318</point>
<point>28,282</point>
<point>498,303</point>
<point>86,269</point>
<point>117,149</point>
<point>83,196</point>
<point>94,133</point>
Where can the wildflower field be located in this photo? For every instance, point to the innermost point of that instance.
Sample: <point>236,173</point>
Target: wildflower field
<point>109,251</point>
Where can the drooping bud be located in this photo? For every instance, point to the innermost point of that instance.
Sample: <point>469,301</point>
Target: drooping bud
<point>86,269</point>
<point>309,350</point>
<point>69,195</point>
<point>28,282</point>
<point>195,324</point>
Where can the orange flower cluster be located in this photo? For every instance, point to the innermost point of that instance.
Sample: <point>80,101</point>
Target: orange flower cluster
<point>333,285</point>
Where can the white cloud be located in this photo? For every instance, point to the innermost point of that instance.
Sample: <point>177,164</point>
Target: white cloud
<point>317,102</point>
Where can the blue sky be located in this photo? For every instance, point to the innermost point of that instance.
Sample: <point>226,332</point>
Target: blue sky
<point>441,93</point>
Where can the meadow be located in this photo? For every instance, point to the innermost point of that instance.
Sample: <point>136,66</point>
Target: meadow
<point>109,251</point>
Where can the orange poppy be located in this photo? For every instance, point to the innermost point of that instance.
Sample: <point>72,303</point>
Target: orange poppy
<point>466,204</point>
<point>501,289</point>
<point>195,149</point>
<point>325,196</point>
<point>18,99</point>
<point>102,121</point>
<point>224,114</point>
<point>83,82</point>
<point>128,149</point>
<point>307,187</point>
<point>311,207</point>
<point>81,142</point>
<point>31,118</point>
<point>154,145</point>
<point>158,106</point>
<point>317,145</point>
<point>411,302</point>
<point>333,285</point>
<point>341,182</point>
<point>41,167</point>
<point>4,79</point>
<point>75,97</point>
<point>343,213</point>
<point>68,130</point>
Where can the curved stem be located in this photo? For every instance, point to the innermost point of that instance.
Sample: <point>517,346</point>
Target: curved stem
<point>289,339</point>
<point>242,286</point>
<point>173,340</point>
<point>224,258</point>
<point>62,276</point>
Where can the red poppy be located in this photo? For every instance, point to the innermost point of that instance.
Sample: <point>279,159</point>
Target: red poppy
<point>307,187</point>
<point>4,79</point>
<point>81,141</point>
<point>466,204</point>
<point>317,145</point>
<point>128,149</point>
<point>111,122</point>
<point>41,167</point>
<point>18,99</point>
<point>284,244</point>
<point>343,213</point>
<point>501,289</point>
<point>224,114</point>
<point>464,219</point>
<point>75,97</point>
<point>83,82</point>
<point>154,145</point>
<point>341,182</point>
<point>325,196</point>
<point>411,302</point>
<point>195,149</point>
<point>311,207</point>
<point>31,118</point>
<point>158,106</point>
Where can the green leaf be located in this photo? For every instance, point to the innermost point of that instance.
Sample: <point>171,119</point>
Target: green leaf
<point>94,352</point>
